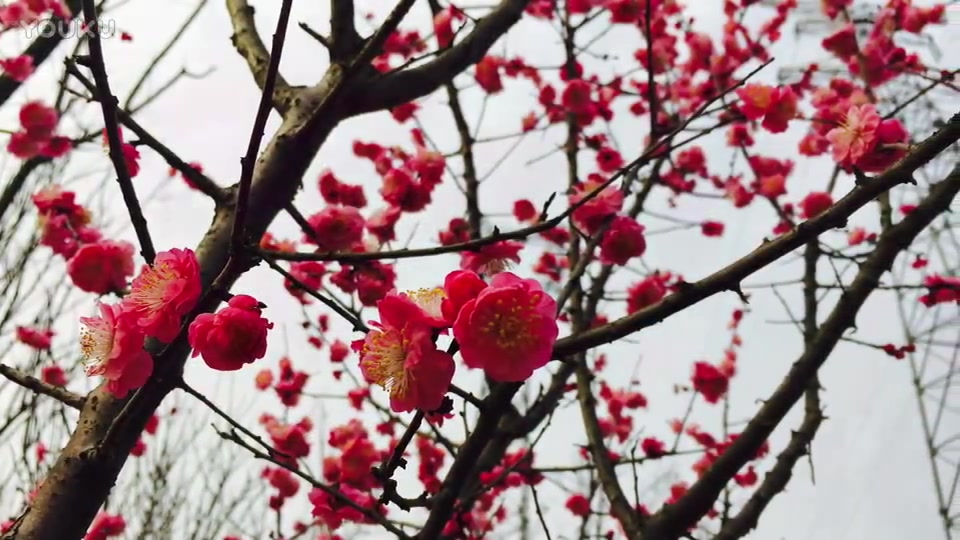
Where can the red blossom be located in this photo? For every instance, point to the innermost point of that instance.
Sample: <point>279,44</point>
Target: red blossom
<point>709,381</point>
<point>102,267</point>
<point>34,337</point>
<point>335,228</point>
<point>234,336</point>
<point>509,329</point>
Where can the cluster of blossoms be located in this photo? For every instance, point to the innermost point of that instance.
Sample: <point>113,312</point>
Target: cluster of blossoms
<point>158,300</point>
<point>409,180</point>
<point>506,327</point>
<point>153,306</point>
<point>37,134</point>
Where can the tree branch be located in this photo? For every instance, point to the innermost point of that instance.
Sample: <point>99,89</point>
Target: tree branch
<point>39,50</point>
<point>401,87</point>
<point>34,384</point>
<point>247,162</point>
<point>344,39</point>
<point>729,278</point>
<point>203,182</point>
<point>246,40</point>
<point>606,471</point>
<point>108,103</point>
<point>676,518</point>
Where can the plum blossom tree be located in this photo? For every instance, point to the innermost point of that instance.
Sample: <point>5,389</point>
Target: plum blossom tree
<point>530,305</point>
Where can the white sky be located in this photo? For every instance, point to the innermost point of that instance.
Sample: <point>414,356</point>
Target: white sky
<point>873,479</point>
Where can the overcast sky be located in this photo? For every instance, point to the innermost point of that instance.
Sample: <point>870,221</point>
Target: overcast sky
<point>872,477</point>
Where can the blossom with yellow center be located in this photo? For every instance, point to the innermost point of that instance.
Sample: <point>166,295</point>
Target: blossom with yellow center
<point>429,300</point>
<point>113,349</point>
<point>382,362</point>
<point>165,292</point>
<point>509,329</point>
<point>96,343</point>
<point>400,354</point>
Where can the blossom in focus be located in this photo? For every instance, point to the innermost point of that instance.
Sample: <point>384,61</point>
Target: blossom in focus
<point>400,356</point>
<point>890,145</point>
<point>429,304</point>
<point>164,293</point>
<point>234,336</point>
<point>34,337</point>
<point>509,329</point>
<point>112,348</point>
<point>855,135</point>
<point>102,267</point>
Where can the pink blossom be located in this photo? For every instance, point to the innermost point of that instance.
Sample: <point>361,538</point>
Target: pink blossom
<point>106,526</point>
<point>112,348</point>
<point>18,68</point>
<point>855,136</point>
<point>53,375</point>
<point>594,212</point>
<point>164,293</point>
<point>400,355</point>
<point>509,329</point>
<point>460,287</point>
<point>38,120</point>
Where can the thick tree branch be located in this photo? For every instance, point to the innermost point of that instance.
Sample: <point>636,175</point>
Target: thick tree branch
<point>673,519</point>
<point>247,41</point>
<point>34,384</point>
<point>86,469</point>
<point>401,87</point>
<point>774,481</point>
<point>344,39</point>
